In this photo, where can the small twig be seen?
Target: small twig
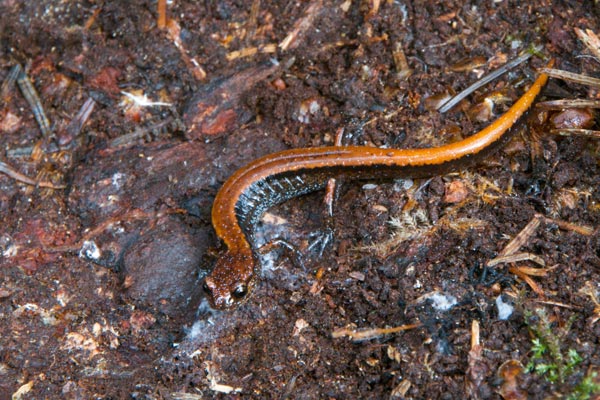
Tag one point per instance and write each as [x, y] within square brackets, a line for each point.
[571, 77]
[6, 169]
[90, 21]
[10, 80]
[475, 373]
[33, 99]
[77, 123]
[568, 103]
[475, 341]
[370, 333]
[302, 26]
[522, 237]
[568, 226]
[452, 39]
[174, 33]
[591, 41]
[139, 133]
[513, 246]
[485, 80]
[252, 23]
[509, 255]
[557, 304]
[576, 132]
[403, 71]
[527, 279]
[268, 48]
[214, 385]
[162, 14]
[516, 257]
[27, 151]
[532, 271]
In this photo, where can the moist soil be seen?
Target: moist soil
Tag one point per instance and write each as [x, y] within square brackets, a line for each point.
[101, 278]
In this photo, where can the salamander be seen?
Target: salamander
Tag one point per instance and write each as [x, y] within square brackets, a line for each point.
[278, 177]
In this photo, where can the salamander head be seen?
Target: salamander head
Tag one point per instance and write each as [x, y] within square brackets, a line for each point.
[231, 281]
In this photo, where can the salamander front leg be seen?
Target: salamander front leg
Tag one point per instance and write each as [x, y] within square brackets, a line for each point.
[290, 251]
[322, 238]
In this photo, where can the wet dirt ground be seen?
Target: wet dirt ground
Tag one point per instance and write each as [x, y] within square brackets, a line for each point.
[100, 278]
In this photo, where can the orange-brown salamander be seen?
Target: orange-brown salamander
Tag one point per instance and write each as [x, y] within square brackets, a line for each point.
[278, 177]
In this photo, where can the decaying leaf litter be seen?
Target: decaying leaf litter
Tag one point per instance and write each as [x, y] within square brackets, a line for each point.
[145, 124]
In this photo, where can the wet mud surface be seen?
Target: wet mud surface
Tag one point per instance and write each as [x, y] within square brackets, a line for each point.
[101, 280]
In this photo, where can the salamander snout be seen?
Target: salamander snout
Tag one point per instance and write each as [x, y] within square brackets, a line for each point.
[231, 281]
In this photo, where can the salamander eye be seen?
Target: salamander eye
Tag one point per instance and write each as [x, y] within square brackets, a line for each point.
[240, 291]
[206, 288]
